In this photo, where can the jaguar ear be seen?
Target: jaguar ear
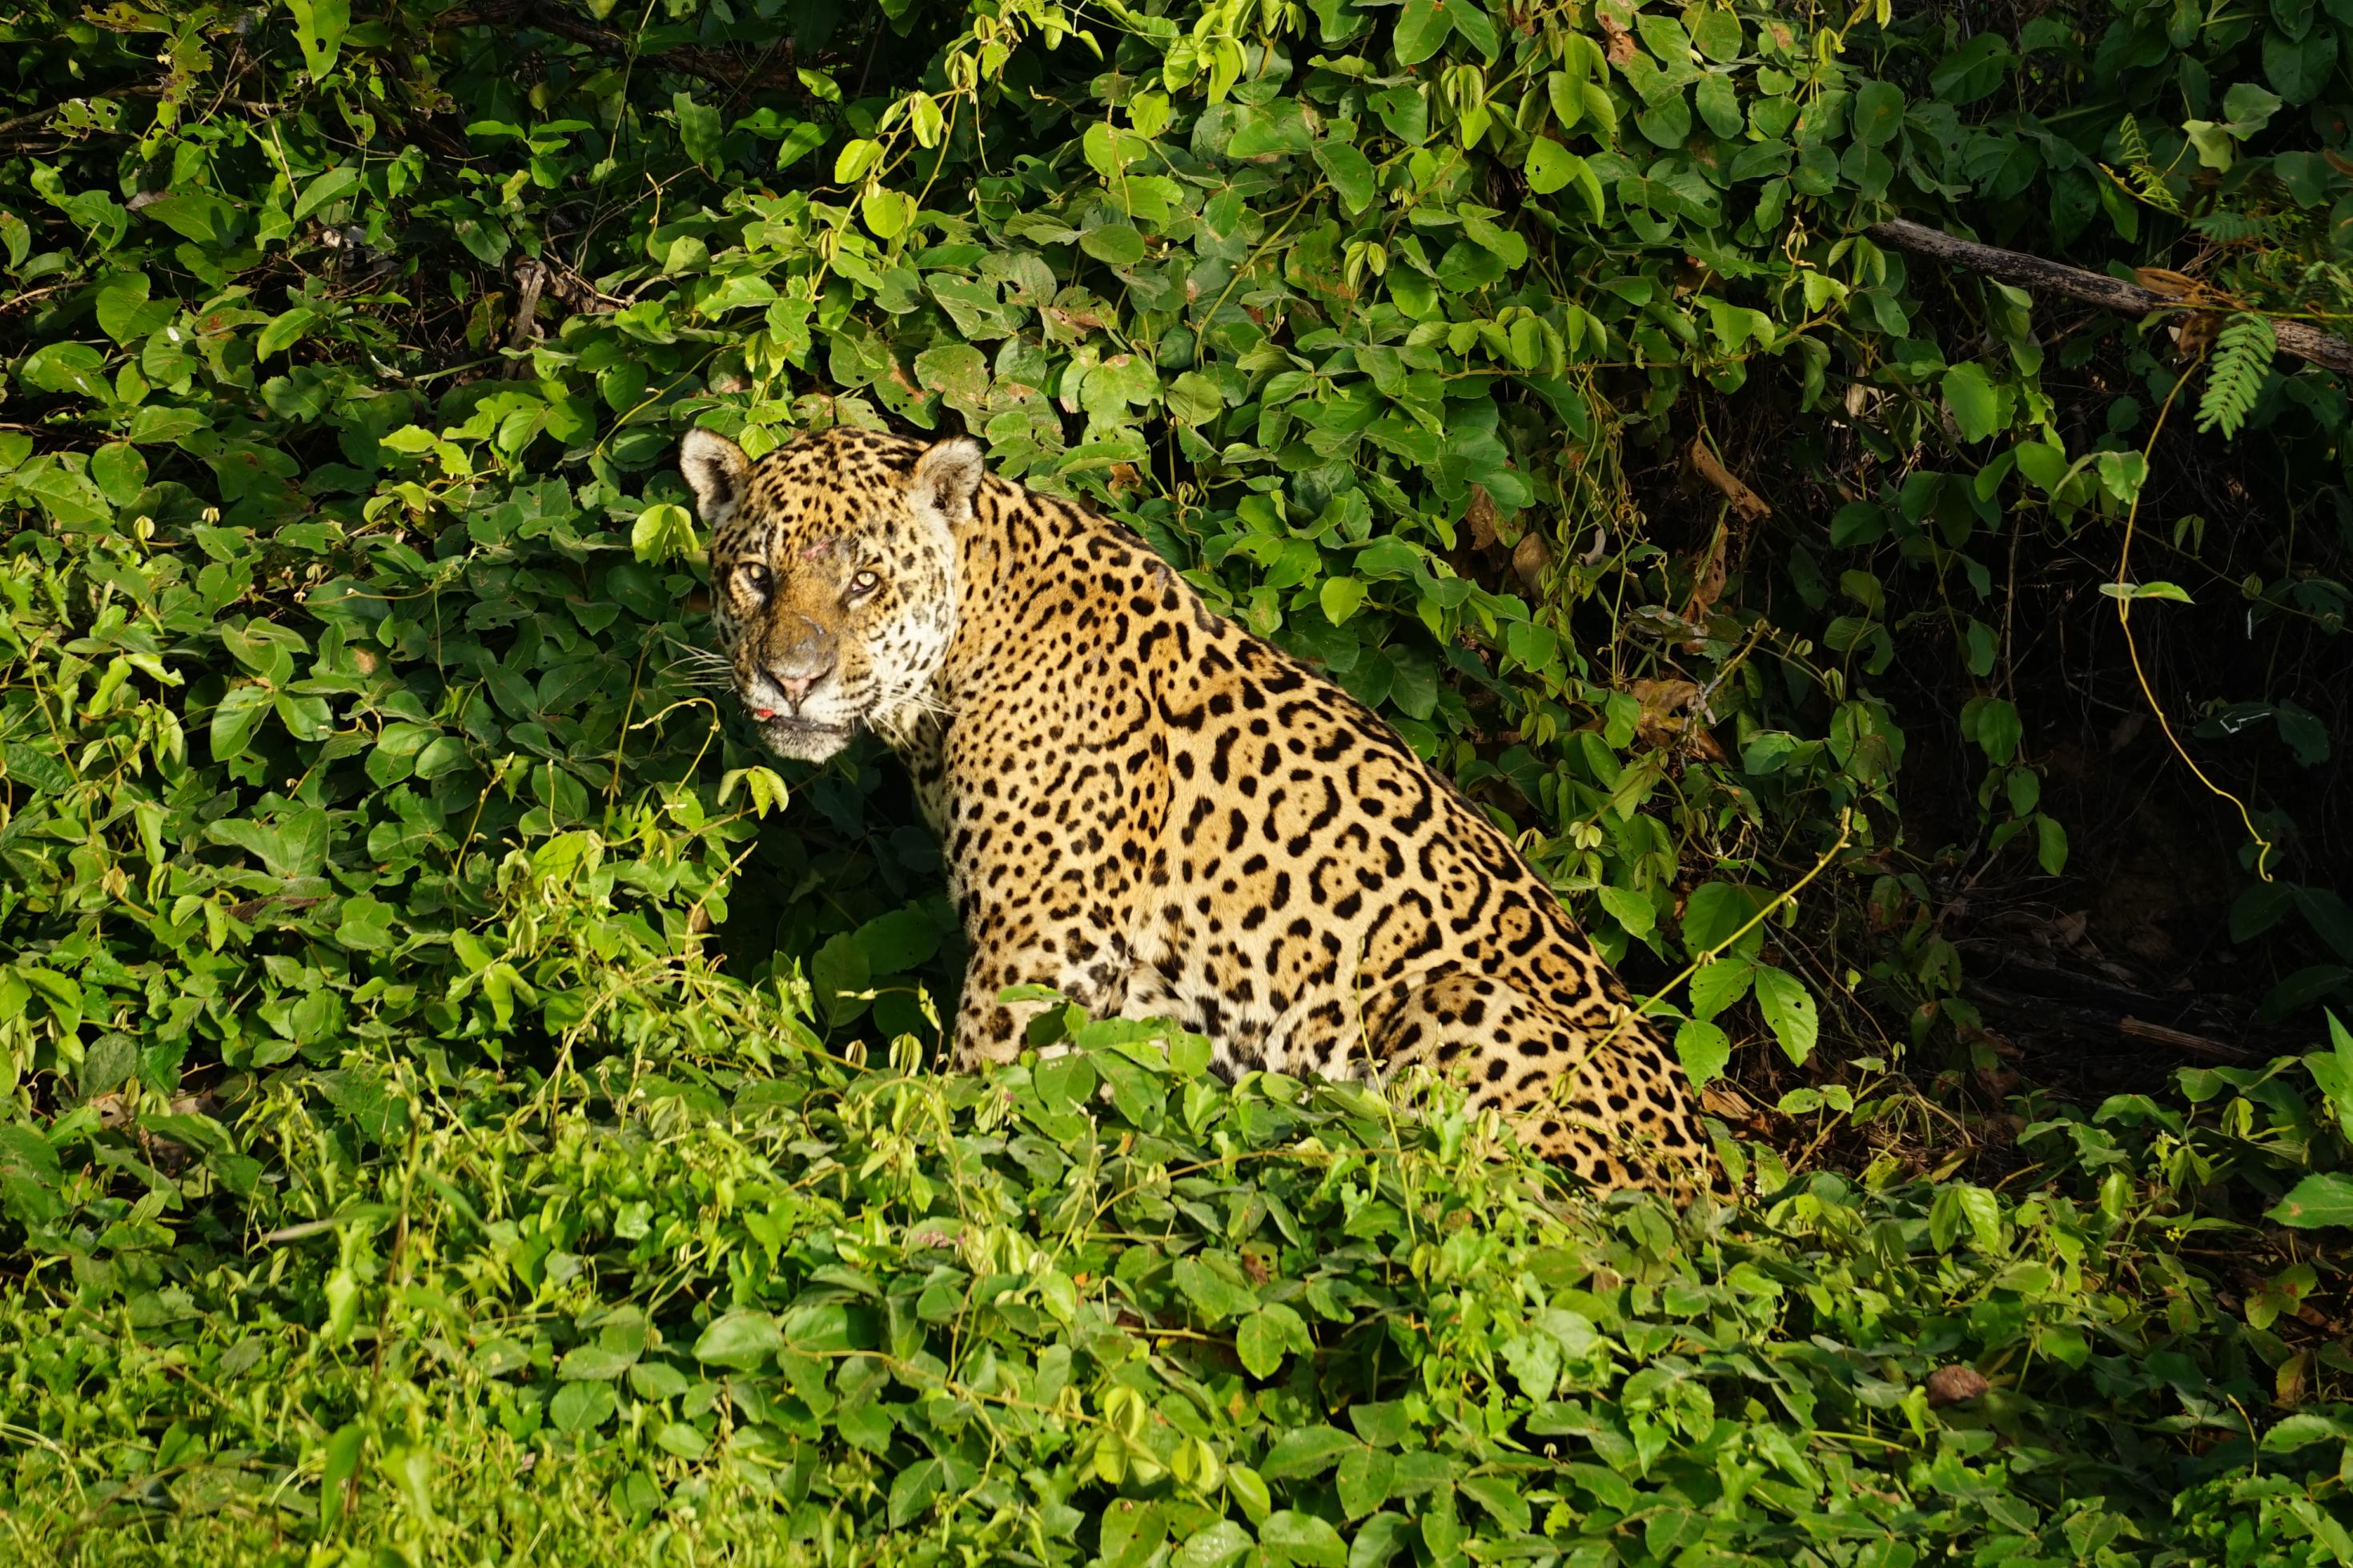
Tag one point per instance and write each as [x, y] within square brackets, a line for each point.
[718, 473]
[945, 479]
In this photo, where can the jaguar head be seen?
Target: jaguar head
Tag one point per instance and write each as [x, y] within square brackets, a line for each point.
[833, 577]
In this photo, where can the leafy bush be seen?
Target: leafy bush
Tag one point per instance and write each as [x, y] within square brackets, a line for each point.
[1097, 1305]
[437, 1111]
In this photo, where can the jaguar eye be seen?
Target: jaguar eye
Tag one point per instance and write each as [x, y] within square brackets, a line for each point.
[864, 584]
[755, 578]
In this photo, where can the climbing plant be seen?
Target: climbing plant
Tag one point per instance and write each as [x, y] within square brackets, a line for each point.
[1545, 372]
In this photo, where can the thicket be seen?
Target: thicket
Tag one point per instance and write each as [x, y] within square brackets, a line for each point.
[464, 1104]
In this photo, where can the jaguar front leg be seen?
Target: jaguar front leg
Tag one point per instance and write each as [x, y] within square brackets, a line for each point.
[1091, 973]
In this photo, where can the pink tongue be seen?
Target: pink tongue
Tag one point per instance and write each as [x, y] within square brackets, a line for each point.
[763, 713]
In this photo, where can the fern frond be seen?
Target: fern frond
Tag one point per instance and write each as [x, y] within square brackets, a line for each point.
[2234, 377]
[2235, 228]
[2129, 137]
[2147, 180]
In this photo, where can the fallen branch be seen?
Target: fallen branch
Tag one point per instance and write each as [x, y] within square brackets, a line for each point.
[2299, 338]
[2182, 1040]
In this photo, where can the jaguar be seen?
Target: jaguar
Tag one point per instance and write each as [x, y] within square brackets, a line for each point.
[1158, 813]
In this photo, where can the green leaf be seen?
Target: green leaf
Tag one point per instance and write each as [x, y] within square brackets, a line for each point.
[67, 367]
[2236, 373]
[1305, 1451]
[1065, 1084]
[839, 974]
[1291, 1537]
[1350, 172]
[193, 214]
[2050, 843]
[2044, 464]
[1788, 1009]
[2122, 474]
[857, 155]
[2302, 1430]
[319, 29]
[1501, 1500]
[664, 532]
[701, 131]
[803, 138]
[409, 438]
[70, 499]
[325, 188]
[583, 1406]
[1249, 1490]
[1340, 598]
[1995, 725]
[1422, 28]
[64, 999]
[1971, 396]
[1714, 32]
[124, 311]
[1877, 112]
[2129, 591]
[1506, 245]
[1365, 1479]
[1113, 243]
[739, 1339]
[1713, 912]
[155, 424]
[119, 472]
[888, 212]
[2249, 107]
[1718, 983]
[1275, 131]
[2322, 1198]
[2300, 68]
[681, 1439]
[922, 1483]
[1213, 1547]
[1266, 1335]
[1703, 1049]
[1216, 1297]
[1550, 165]
[1195, 399]
[1719, 105]
[239, 713]
[594, 1363]
[367, 924]
[284, 331]
[1628, 908]
[1973, 71]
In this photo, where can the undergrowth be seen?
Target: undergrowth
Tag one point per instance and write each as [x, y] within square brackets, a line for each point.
[1099, 1307]
[460, 1103]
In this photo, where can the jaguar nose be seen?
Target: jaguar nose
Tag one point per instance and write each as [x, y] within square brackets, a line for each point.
[794, 680]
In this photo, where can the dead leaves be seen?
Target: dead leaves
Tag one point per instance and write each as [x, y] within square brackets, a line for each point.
[2193, 332]
[1480, 516]
[1531, 559]
[1707, 579]
[1751, 506]
[2182, 287]
[1619, 45]
[1668, 721]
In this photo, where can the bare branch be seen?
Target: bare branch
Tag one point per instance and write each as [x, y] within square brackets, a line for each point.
[2299, 338]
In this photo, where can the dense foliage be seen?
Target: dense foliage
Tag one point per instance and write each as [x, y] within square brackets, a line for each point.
[437, 1105]
[1102, 1309]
